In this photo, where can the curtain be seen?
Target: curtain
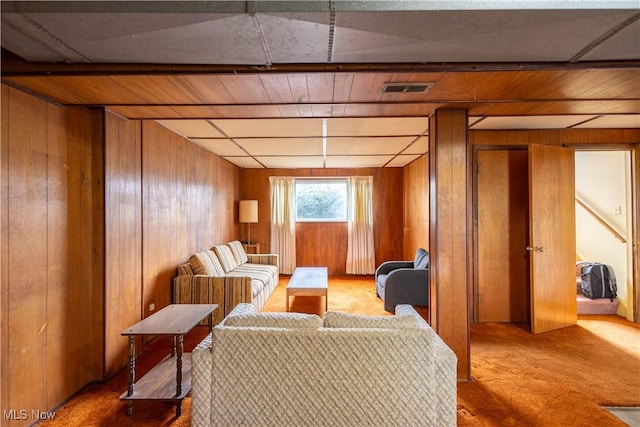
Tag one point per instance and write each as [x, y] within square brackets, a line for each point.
[283, 225]
[360, 250]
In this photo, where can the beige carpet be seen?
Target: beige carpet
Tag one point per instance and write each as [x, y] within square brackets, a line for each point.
[557, 379]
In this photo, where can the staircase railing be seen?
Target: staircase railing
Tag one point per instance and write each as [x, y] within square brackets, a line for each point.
[601, 220]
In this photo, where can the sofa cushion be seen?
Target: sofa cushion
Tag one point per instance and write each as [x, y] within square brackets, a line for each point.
[335, 319]
[238, 252]
[275, 320]
[226, 257]
[261, 272]
[206, 263]
[422, 259]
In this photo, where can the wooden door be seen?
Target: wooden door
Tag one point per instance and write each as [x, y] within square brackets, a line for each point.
[552, 238]
[502, 230]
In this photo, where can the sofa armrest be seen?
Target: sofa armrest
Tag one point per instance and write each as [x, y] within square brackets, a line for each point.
[227, 292]
[388, 266]
[406, 286]
[445, 370]
[270, 259]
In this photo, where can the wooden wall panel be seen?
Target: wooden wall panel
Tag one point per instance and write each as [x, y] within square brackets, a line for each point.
[189, 198]
[567, 137]
[27, 216]
[387, 207]
[416, 206]
[51, 341]
[84, 334]
[4, 247]
[322, 244]
[123, 231]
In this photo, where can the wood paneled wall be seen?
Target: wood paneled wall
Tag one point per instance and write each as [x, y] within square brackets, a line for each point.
[166, 198]
[188, 206]
[123, 237]
[52, 222]
[326, 243]
[416, 206]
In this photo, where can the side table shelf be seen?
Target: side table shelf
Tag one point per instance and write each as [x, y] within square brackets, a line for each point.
[160, 382]
[169, 380]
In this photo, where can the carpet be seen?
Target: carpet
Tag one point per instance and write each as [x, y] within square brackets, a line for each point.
[559, 378]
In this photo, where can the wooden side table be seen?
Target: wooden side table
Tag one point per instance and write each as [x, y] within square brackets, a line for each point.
[253, 248]
[170, 379]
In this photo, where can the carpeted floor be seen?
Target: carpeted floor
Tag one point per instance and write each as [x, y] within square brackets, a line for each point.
[560, 378]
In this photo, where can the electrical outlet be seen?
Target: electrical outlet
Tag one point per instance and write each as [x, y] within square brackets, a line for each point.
[152, 307]
[617, 209]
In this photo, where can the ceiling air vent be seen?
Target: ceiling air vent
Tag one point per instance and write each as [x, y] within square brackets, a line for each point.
[413, 87]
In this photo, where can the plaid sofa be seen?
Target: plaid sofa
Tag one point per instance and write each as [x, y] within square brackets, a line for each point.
[226, 275]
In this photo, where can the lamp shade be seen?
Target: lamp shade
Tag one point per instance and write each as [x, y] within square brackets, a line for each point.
[248, 211]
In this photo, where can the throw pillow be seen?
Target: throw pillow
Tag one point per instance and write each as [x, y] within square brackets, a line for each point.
[238, 252]
[335, 319]
[206, 263]
[422, 259]
[276, 320]
[226, 257]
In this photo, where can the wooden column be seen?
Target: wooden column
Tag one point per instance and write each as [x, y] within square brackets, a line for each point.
[449, 232]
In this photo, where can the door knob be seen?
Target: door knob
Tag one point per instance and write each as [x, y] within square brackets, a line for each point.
[535, 248]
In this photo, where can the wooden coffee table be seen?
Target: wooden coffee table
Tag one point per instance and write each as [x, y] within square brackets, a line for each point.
[309, 281]
[169, 380]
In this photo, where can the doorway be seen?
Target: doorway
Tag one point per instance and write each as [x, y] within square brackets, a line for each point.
[502, 291]
[524, 236]
[604, 217]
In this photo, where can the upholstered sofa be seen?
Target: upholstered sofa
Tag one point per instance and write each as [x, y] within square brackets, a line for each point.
[294, 369]
[226, 275]
[404, 282]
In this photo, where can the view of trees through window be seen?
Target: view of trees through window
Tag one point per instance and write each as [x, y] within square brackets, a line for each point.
[321, 200]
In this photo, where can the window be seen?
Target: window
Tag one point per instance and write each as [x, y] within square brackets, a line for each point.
[321, 200]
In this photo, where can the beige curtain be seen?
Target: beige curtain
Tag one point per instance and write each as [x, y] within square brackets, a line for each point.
[360, 250]
[283, 225]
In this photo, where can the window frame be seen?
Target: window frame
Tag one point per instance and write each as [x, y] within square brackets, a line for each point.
[332, 179]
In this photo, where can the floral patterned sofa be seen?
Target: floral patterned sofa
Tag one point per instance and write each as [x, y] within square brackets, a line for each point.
[226, 275]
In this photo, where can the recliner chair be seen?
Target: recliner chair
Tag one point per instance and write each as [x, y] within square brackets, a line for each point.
[404, 282]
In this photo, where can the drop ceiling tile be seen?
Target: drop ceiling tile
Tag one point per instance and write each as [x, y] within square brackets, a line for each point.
[270, 127]
[613, 121]
[281, 146]
[402, 160]
[386, 145]
[291, 162]
[530, 122]
[421, 146]
[191, 128]
[296, 37]
[378, 126]
[221, 147]
[244, 162]
[356, 161]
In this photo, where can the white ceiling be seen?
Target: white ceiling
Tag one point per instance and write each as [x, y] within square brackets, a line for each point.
[350, 142]
[264, 34]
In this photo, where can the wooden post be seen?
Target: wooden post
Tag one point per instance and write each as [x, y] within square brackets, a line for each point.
[449, 232]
